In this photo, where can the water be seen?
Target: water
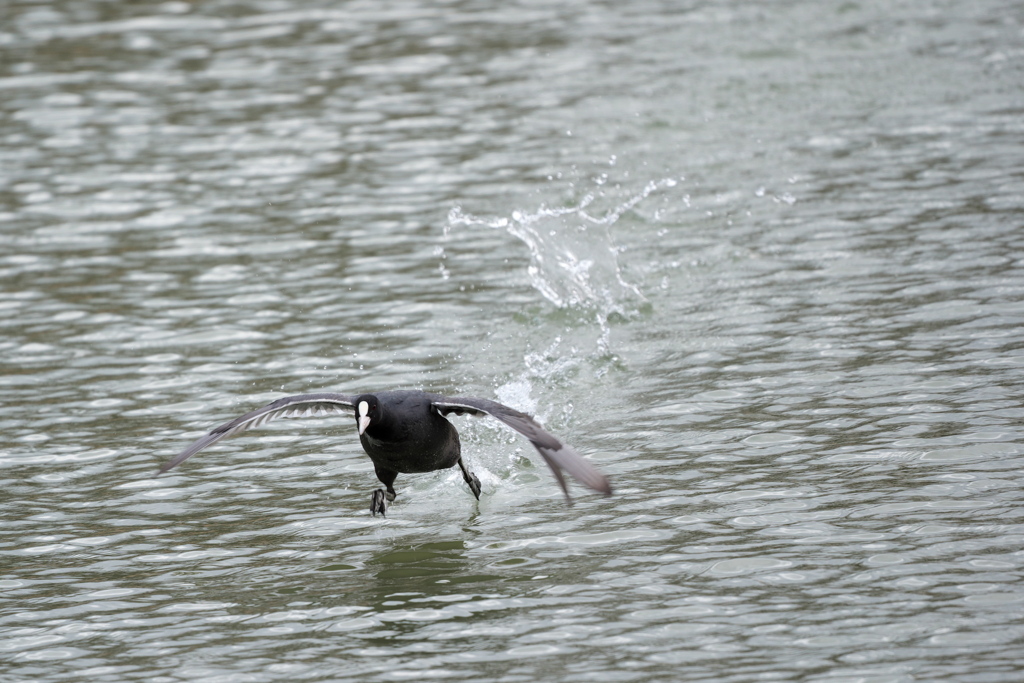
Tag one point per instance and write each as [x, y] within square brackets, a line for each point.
[760, 262]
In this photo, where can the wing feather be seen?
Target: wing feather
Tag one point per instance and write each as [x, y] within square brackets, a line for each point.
[304, 405]
[557, 455]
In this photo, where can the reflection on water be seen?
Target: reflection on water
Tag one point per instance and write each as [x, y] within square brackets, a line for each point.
[761, 266]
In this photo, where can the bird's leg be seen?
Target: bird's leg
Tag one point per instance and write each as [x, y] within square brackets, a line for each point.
[380, 497]
[474, 483]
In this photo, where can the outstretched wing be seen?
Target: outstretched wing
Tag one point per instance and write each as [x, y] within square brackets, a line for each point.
[305, 405]
[557, 455]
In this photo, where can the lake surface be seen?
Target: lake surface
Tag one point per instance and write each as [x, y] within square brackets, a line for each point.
[762, 263]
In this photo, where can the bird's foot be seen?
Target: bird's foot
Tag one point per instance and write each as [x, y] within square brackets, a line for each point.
[377, 503]
[470, 478]
[474, 485]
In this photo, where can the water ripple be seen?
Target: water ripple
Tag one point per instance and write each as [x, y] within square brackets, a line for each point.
[759, 267]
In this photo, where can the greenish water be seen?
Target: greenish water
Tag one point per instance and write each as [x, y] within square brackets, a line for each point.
[762, 264]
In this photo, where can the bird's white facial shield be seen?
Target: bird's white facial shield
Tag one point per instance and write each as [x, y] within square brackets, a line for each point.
[364, 417]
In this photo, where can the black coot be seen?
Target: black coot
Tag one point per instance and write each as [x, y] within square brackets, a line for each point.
[406, 431]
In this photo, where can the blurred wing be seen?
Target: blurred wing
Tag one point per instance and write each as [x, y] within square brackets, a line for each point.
[306, 405]
[556, 454]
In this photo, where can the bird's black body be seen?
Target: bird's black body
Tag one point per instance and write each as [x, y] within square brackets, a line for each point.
[409, 436]
[405, 432]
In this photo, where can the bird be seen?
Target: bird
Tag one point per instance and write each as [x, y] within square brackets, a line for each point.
[407, 432]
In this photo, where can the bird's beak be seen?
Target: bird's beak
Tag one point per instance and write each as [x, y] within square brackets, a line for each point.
[364, 422]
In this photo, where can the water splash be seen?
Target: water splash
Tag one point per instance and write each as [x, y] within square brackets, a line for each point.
[575, 262]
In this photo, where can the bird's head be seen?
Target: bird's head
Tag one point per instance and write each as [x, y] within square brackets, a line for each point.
[367, 411]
